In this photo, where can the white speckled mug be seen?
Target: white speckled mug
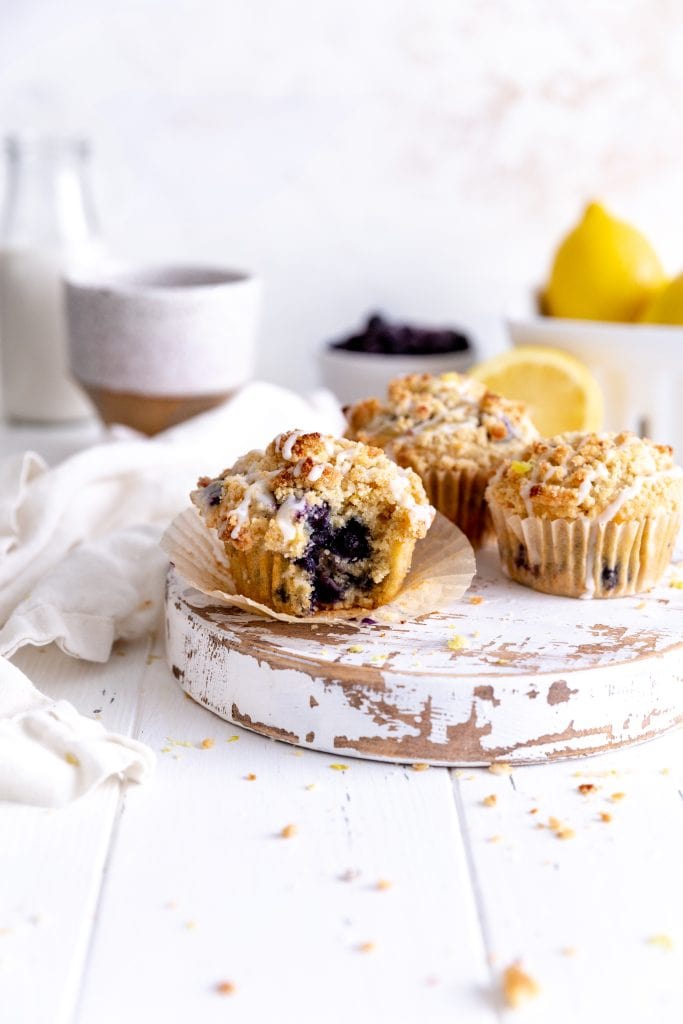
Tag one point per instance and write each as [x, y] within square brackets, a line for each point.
[155, 345]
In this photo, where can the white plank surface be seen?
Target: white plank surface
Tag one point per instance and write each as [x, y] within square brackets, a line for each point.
[582, 912]
[204, 888]
[51, 862]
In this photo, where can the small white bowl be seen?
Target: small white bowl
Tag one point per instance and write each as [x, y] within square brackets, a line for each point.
[355, 375]
[638, 366]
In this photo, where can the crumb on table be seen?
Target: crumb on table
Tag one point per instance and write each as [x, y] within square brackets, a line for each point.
[490, 800]
[518, 986]
[561, 830]
[288, 831]
[458, 642]
[225, 988]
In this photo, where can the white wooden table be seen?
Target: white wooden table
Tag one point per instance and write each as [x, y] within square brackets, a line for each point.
[136, 905]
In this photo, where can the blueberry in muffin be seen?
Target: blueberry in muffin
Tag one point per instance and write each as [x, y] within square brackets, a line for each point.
[316, 523]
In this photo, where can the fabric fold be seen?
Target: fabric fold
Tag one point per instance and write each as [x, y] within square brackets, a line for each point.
[80, 566]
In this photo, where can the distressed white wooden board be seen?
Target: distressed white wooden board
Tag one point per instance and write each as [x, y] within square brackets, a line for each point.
[605, 892]
[542, 677]
[200, 845]
[51, 861]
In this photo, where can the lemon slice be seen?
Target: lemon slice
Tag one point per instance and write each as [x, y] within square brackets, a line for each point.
[560, 392]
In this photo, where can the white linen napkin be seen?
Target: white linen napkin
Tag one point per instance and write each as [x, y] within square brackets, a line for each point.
[80, 565]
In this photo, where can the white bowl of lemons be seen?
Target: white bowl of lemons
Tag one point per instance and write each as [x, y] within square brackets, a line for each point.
[602, 344]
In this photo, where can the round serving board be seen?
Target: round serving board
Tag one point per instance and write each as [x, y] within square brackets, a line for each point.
[536, 677]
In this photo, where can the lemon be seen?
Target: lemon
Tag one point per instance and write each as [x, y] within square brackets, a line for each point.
[603, 270]
[559, 391]
[666, 307]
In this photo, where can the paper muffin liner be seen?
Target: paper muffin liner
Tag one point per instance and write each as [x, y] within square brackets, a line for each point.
[442, 569]
[259, 574]
[459, 495]
[584, 558]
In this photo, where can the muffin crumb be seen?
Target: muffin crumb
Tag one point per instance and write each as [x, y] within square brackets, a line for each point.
[518, 986]
[225, 988]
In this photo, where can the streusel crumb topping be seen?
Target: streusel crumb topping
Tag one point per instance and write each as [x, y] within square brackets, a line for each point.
[267, 497]
[606, 477]
[442, 422]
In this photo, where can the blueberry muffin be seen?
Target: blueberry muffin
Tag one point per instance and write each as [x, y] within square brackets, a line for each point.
[588, 515]
[316, 523]
[453, 433]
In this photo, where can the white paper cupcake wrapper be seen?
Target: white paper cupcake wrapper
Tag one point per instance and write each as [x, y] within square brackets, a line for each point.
[442, 570]
[576, 558]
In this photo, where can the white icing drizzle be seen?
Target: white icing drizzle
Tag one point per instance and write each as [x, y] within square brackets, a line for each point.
[287, 515]
[258, 493]
[344, 460]
[288, 446]
[400, 490]
[525, 492]
[585, 486]
[315, 473]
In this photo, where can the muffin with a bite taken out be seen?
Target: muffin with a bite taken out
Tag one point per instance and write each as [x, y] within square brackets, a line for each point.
[316, 523]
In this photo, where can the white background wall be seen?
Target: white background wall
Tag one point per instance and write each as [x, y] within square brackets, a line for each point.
[418, 156]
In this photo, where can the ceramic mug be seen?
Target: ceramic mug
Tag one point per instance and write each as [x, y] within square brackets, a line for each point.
[155, 345]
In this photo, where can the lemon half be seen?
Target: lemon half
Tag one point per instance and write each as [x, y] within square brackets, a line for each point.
[560, 392]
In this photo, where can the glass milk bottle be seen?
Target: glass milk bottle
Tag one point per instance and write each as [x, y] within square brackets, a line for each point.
[47, 227]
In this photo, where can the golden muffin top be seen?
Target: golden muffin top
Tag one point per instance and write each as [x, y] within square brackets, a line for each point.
[442, 422]
[268, 497]
[605, 477]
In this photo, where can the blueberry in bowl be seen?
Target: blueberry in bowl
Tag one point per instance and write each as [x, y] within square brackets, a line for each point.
[364, 361]
[382, 337]
[316, 523]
